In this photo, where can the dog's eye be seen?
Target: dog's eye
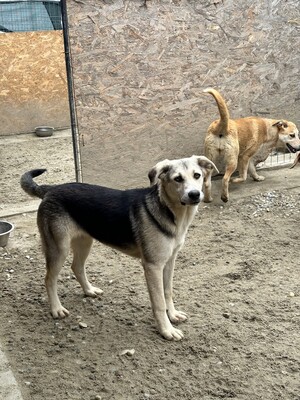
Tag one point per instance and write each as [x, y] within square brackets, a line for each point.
[178, 178]
[196, 175]
[292, 135]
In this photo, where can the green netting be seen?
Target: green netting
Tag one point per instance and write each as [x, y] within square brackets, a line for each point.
[23, 16]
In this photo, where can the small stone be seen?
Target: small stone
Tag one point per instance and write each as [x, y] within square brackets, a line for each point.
[226, 315]
[74, 328]
[129, 352]
[292, 294]
[82, 325]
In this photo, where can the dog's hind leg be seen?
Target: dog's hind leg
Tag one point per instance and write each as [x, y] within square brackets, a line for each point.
[207, 187]
[230, 168]
[81, 246]
[55, 258]
[56, 245]
[174, 315]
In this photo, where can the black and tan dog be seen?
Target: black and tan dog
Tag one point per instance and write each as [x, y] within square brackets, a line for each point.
[243, 143]
[148, 223]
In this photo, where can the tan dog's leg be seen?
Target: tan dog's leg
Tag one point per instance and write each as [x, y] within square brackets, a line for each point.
[253, 173]
[243, 165]
[207, 187]
[154, 279]
[81, 247]
[230, 168]
[174, 315]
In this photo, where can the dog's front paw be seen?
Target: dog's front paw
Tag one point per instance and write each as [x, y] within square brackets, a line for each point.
[224, 198]
[172, 334]
[207, 199]
[166, 329]
[237, 180]
[59, 312]
[177, 316]
[93, 291]
[259, 178]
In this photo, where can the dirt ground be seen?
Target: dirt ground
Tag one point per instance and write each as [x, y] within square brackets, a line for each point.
[237, 277]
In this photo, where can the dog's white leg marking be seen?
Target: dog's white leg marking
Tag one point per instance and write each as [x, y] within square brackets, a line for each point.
[254, 174]
[81, 247]
[175, 316]
[54, 262]
[154, 279]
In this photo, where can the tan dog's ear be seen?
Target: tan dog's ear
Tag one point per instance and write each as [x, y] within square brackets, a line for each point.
[280, 124]
[205, 163]
[156, 172]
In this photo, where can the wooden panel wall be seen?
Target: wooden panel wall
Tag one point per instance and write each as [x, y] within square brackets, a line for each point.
[33, 88]
[140, 68]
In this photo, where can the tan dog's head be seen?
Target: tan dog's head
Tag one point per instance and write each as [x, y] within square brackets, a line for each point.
[288, 134]
[181, 180]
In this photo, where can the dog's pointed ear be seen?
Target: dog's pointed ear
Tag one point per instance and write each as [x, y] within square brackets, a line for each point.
[205, 163]
[280, 124]
[158, 170]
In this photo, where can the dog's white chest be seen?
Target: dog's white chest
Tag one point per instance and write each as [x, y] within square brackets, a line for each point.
[184, 223]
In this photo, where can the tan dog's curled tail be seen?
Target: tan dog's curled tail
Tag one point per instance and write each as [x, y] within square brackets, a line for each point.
[223, 110]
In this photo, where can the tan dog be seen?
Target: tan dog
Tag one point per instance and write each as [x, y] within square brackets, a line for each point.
[243, 143]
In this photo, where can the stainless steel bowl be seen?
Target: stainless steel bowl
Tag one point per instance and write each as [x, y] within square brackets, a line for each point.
[44, 131]
[5, 229]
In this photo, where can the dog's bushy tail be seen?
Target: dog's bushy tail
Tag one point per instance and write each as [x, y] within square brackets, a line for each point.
[30, 187]
[223, 110]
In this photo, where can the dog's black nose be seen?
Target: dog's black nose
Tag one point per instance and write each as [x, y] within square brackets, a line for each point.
[194, 195]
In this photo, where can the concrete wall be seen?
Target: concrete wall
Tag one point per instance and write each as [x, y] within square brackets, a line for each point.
[33, 86]
[140, 68]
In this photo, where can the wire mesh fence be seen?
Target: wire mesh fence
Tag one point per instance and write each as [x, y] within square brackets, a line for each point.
[34, 15]
[278, 157]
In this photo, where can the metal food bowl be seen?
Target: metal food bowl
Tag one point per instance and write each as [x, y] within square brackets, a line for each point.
[44, 131]
[5, 229]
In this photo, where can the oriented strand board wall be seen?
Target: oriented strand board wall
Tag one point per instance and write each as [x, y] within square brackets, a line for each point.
[140, 68]
[33, 87]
